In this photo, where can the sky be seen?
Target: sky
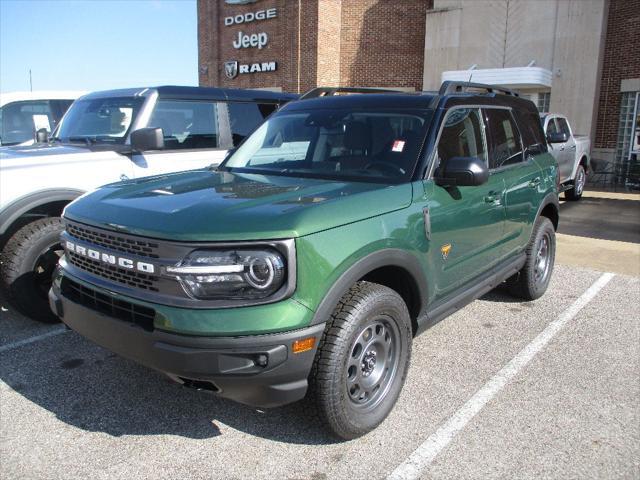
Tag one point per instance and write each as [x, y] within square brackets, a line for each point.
[97, 44]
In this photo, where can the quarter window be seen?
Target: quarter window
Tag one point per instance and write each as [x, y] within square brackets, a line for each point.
[506, 147]
[186, 124]
[462, 135]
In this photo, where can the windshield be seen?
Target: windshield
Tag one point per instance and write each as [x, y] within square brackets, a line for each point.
[370, 146]
[99, 120]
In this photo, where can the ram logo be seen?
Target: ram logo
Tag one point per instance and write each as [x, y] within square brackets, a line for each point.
[109, 258]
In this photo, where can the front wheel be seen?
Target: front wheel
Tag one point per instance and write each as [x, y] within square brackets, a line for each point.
[578, 185]
[533, 279]
[362, 360]
[28, 261]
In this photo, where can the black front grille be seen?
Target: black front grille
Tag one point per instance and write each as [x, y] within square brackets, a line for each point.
[129, 312]
[113, 241]
[113, 273]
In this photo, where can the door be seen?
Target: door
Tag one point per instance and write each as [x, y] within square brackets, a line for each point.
[466, 223]
[558, 150]
[192, 140]
[568, 154]
[521, 175]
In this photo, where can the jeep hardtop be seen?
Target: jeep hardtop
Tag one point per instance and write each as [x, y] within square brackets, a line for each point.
[349, 222]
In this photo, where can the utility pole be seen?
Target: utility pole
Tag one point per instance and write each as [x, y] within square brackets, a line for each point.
[30, 82]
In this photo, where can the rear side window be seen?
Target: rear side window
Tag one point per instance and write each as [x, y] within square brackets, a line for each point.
[244, 118]
[462, 135]
[186, 125]
[505, 147]
[531, 129]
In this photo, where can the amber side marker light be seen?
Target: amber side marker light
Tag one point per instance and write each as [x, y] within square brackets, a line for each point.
[303, 345]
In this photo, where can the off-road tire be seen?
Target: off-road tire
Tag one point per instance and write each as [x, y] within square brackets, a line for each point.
[23, 253]
[366, 306]
[574, 194]
[529, 283]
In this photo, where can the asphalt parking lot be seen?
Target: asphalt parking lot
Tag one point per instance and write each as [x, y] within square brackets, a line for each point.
[501, 389]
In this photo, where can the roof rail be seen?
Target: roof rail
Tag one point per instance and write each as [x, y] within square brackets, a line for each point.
[329, 91]
[451, 86]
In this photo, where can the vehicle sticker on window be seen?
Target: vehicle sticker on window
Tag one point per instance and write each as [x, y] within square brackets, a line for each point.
[398, 146]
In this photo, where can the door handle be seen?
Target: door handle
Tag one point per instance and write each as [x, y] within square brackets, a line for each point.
[573, 147]
[534, 183]
[492, 197]
[123, 177]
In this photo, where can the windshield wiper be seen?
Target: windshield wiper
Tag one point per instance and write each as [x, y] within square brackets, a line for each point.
[86, 140]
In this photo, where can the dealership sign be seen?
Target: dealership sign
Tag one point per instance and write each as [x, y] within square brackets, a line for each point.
[250, 17]
[233, 68]
[258, 40]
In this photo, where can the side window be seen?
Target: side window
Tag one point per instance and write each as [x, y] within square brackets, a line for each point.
[563, 126]
[20, 120]
[186, 124]
[505, 147]
[551, 126]
[531, 129]
[462, 135]
[244, 118]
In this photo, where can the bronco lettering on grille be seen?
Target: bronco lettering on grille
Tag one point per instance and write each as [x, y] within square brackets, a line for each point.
[110, 259]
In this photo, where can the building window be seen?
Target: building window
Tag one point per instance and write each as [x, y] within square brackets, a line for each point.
[543, 101]
[627, 167]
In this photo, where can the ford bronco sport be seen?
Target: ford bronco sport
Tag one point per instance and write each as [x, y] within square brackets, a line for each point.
[305, 264]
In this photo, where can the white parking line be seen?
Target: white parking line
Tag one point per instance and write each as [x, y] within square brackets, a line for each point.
[56, 331]
[422, 457]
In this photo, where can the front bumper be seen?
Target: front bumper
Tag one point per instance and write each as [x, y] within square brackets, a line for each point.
[257, 370]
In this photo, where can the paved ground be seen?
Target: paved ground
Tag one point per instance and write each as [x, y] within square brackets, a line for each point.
[471, 407]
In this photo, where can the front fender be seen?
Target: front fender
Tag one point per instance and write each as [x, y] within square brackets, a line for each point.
[14, 210]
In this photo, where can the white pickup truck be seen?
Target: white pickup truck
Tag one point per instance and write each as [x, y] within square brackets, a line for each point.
[103, 138]
[572, 152]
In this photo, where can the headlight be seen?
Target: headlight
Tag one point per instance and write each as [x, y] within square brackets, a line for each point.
[231, 274]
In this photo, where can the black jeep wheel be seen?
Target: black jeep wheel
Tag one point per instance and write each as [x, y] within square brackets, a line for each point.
[533, 279]
[28, 261]
[575, 193]
[362, 360]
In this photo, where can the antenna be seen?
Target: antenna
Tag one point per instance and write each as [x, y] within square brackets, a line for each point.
[30, 82]
[469, 81]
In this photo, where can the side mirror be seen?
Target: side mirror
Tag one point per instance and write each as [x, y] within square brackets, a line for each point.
[557, 137]
[145, 139]
[42, 135]
[462, 172]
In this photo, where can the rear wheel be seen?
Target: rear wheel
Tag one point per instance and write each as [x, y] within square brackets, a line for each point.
[28, 261]
[362, 360]
[533, 279]
[578, 185]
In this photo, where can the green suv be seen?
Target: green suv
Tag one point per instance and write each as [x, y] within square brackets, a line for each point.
[304, 265]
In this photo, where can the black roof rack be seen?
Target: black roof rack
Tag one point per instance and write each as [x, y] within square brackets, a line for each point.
[329, 91]
[451, 86]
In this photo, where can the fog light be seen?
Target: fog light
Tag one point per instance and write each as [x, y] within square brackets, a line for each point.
[303, 345]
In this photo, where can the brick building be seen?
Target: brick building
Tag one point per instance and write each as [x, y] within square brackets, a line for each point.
[314, 42]
[577, 57]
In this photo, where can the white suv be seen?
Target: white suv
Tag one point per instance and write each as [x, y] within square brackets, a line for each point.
[103, 138]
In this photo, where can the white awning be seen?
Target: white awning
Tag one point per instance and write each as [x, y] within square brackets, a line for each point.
[515, 77]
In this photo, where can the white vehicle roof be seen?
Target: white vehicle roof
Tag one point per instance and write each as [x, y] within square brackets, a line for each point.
[10, 97]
